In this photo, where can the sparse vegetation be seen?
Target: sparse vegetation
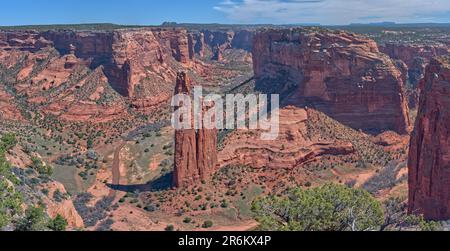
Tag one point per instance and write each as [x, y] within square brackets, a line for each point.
[41, 167]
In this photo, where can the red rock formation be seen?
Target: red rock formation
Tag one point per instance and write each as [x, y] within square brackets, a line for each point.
[147, 51]
[243, 39]
[429, 156]
[195, 151]
[22, 40]
[140, 64]
[220, 38]
[8, 111]
[291, 149]
[217, 54]
[415, 56]
[71, 59]
[213, 40]
[409, 52]
[206, 150]
[199, 44]
[95, 45]
[178, 42]
[341, 74]
[151, 54]
[226, 39]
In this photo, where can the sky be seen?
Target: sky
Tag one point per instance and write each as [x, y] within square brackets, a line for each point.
[153, 12]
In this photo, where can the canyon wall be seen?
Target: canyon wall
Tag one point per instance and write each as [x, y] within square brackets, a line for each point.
[94, 75]
[143, 63]
[22, 40]
[95, 45]
[217, 41]
[131, 58]
[415, 56]
[195, 150]
[292, 148]
[341, 74]
[429, 156]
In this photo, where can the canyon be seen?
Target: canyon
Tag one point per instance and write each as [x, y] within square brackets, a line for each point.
[341, 74]
[88, 101]
[76, 75]
[429, 155]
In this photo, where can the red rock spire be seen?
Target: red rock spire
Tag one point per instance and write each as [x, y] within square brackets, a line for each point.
[429, 154]
[195, 150]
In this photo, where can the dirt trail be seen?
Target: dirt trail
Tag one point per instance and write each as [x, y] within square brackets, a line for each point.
[116, 168]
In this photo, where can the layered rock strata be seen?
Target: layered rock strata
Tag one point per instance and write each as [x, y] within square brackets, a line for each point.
[195, 150]
[341, 74]
[429, 155]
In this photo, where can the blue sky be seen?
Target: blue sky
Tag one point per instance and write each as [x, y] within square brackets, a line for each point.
[223, 11]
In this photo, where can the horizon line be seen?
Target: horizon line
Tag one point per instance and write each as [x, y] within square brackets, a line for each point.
[169, 23]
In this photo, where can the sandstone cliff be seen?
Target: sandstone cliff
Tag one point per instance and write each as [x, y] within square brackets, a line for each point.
[415, 56]
[70, 73]
[22, 40]
[217, 41]
[195, 150]
[292, 149]
[429, 156]
[341, 74]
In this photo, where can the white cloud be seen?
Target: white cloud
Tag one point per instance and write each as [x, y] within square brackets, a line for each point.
[334, 11]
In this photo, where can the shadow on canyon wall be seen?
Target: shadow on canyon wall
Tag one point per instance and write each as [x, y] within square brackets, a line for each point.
[160, 184]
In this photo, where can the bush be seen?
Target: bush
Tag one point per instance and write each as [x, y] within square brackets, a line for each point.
[207, 224]
[40, 167]
[150, 208]
[170, 228]
[59, 223]
[187, 220]
[35, 220]
[10, 199]
[327, 208]
[224, 204]
[7, 142]
[10, 203]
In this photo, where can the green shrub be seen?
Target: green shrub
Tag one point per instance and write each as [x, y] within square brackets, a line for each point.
[41, 167]
[59, 223]
[170, 228]
[207, 224]
[34, 220]
[327, 208]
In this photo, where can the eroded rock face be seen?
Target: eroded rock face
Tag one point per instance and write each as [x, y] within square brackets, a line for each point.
[195, 150]
[143, 63]
[131, 57]
[429, 156]
[243, 39]
[292, 148]
[89, 45]
[22, 40]
[217, 41]
[139, 64]
[340, 74]
[217, 54]
[415, 56]
[199, 43]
